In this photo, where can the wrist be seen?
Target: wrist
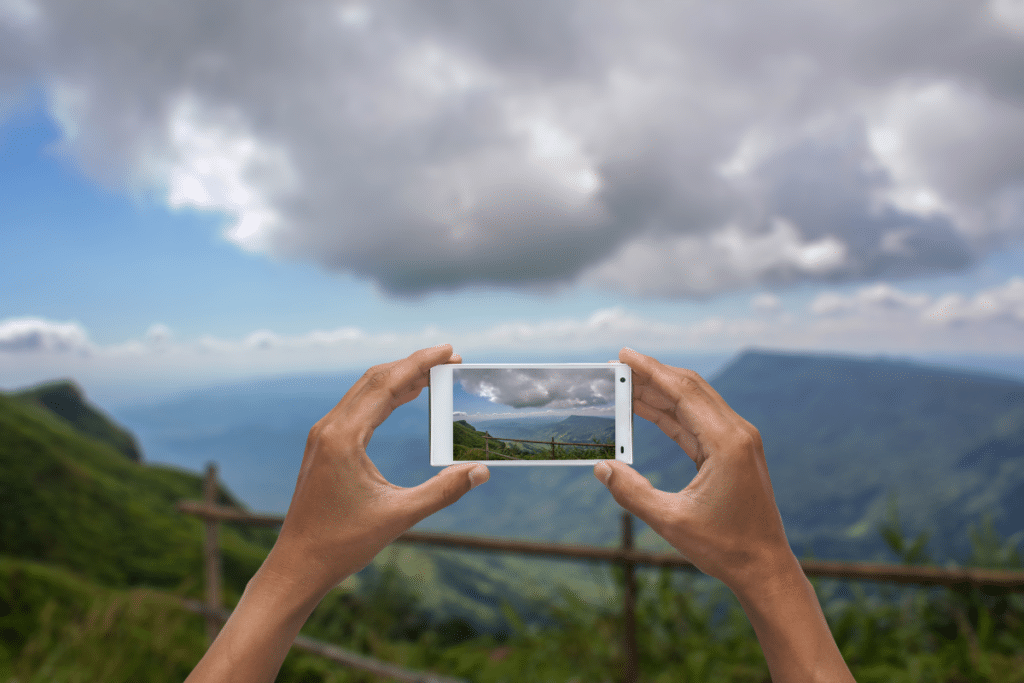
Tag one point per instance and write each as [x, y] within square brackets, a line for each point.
[292, 576]
[293, 597]
[773, 574]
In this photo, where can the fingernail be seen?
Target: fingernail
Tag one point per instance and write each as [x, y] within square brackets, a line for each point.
[478, 474]
[603, 471]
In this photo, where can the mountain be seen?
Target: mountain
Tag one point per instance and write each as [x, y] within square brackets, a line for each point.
[74, 500]
[468, 443]
[65, 400]
[843, 436]
[572, 429]
[580, 429]
[73, 503]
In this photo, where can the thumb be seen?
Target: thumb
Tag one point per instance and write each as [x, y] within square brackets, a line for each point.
[629, 488]
[446, 487]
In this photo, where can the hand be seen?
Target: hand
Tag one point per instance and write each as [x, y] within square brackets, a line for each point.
[344, 511]
[725, 521]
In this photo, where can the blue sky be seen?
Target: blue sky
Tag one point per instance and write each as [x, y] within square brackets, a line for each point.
[187, 197]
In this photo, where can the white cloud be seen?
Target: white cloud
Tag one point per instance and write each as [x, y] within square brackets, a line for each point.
[875, 318]
[215, 163]
[1004, 304]
[725, 259]
[1009, 14]
[34, 336]
[539, 387]
[766, 303]
[946, 147]
[427, 148]
[879, 297]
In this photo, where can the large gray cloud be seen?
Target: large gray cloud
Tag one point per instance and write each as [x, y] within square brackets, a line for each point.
[538, 387]
[667, 148]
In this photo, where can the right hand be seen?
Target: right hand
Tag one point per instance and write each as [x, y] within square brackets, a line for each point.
[725, 521]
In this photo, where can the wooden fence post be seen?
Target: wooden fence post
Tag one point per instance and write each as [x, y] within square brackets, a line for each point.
[629, 646]
[211, 555]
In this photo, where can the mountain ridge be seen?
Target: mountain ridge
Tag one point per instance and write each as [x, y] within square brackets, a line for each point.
[66, 400]
[843, 436]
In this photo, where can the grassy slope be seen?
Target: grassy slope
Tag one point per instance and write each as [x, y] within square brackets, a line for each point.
[65, 400]
[468, 442]
[75, 501]
[89, 543]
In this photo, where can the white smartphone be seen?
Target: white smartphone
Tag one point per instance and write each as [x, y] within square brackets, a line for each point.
[543, 414]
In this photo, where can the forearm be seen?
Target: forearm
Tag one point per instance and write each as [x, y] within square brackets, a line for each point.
[256, 638]
[791, 628]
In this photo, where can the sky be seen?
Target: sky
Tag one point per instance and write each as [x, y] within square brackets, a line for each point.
[192, 192]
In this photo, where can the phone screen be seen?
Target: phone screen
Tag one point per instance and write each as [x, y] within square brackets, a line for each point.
[554, 414]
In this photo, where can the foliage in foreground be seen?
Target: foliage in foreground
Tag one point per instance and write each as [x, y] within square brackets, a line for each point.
[689, 628]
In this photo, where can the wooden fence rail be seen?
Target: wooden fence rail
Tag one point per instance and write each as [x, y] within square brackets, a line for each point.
[991, 580]
[488, 438]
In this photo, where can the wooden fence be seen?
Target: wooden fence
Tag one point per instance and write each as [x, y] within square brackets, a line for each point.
[625, 555]
[488, 438]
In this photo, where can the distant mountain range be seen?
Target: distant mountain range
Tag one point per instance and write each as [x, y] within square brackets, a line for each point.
[843, 436]
[575, 428]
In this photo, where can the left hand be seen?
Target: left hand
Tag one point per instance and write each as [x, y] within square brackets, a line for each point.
[344, 511]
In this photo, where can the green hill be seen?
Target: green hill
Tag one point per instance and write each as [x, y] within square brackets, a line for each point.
[65, 400]
[88, 536]
[843, 435]
[77, 513]
[468, 443]
[72, 499]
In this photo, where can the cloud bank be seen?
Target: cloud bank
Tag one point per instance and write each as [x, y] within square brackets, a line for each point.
[876, 318]
[669, 149]
[539, 387]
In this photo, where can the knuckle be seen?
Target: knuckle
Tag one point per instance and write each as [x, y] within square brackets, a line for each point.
[376, 376]
[746, 438]
[753, 436]
[688, 382]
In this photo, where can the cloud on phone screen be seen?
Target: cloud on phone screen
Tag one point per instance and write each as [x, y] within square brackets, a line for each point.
[539, 388]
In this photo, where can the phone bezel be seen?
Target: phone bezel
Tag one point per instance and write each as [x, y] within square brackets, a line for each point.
[441, 413]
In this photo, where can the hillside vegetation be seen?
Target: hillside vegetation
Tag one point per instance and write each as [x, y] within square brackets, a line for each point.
[468, 441]
[90, 545]
[844, 435]
[65, 400]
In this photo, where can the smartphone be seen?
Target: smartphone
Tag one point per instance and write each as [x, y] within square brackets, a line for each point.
[520, 414]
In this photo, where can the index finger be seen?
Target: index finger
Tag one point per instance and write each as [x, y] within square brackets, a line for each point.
[383, 387]
[695, 403]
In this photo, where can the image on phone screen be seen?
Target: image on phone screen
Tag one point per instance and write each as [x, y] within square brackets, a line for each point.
[533, 414]
[541, 414]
